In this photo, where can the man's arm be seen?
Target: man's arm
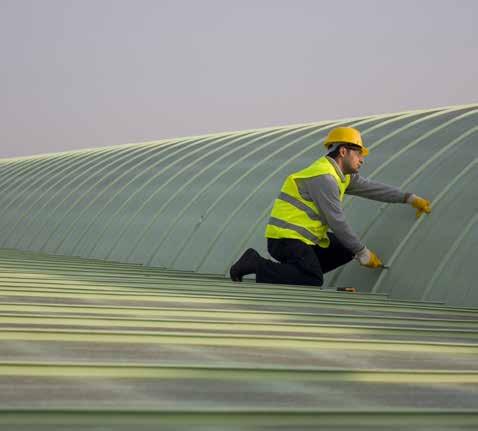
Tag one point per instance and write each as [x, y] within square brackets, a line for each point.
[324, 192]
[365, 188]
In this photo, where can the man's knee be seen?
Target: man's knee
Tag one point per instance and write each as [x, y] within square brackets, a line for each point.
[349, 255]
[340, 249]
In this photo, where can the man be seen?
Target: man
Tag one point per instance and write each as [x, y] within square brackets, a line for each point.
[309, 204]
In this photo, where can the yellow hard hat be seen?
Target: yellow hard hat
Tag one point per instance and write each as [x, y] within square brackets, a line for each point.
[345, 135]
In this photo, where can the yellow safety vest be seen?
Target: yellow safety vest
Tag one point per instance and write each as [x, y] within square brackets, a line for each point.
[293, 216]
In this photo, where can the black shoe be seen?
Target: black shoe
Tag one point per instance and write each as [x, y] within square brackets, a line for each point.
[247, 264]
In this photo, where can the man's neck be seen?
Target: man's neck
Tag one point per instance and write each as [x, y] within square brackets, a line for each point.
[337, 166]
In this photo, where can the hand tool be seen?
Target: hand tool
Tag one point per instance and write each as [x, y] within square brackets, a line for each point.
[347, 289]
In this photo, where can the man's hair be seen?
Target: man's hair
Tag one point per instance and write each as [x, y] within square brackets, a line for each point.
[336, 151]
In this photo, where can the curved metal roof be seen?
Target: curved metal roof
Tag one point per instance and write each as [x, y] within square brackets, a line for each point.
[88, 343]
[196, 203]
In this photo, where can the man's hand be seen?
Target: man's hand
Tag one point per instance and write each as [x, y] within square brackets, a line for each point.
[422, 205]
[368, 258]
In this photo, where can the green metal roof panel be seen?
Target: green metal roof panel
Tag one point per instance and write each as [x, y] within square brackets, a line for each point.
[196, 203]
[87, 343]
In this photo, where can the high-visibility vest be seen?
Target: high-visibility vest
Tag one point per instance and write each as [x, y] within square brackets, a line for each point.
[293, 216]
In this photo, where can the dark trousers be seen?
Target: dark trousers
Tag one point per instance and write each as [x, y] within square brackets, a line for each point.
[300, 263]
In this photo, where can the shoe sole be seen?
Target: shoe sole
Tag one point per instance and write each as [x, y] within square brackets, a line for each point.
[233, 274]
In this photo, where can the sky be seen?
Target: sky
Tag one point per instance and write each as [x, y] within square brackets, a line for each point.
[92, 73]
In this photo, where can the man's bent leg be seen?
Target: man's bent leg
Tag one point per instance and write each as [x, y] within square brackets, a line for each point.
[333, 256]
[298, 264]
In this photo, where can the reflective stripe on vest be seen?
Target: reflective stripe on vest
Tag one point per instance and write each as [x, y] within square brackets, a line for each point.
[298, 204]
[299, 229]
[293, 216]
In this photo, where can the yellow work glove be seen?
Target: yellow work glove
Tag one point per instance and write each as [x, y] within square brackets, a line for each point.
[368, 258]
[422, 205]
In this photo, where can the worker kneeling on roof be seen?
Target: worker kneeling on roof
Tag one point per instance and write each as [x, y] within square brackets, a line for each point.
[308, 205]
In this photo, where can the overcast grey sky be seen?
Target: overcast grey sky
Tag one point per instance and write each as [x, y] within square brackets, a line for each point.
[91, 73]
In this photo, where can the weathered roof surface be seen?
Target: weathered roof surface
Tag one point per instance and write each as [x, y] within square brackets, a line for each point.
[196, 203]
[88, 344]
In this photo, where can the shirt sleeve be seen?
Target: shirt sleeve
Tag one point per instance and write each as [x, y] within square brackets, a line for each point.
[365, 188]
[324, 192]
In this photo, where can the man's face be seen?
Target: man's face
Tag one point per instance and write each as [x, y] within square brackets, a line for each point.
[352, 161]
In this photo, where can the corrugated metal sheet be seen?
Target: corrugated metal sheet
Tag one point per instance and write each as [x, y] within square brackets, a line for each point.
[196, 203]
[95, 345]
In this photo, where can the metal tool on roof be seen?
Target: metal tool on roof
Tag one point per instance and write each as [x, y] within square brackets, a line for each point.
[347, 289]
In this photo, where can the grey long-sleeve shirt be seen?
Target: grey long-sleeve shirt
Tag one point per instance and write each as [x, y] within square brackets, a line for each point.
[324, 192]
